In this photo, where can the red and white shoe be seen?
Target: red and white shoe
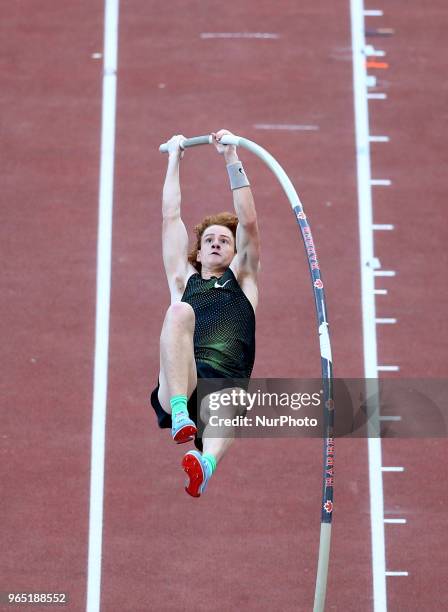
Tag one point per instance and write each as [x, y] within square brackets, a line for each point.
[198, 472]
[183, 428]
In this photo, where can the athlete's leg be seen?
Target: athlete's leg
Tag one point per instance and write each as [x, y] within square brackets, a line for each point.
[217, 447]
[199, 468]
[177, 364]
[217, 440]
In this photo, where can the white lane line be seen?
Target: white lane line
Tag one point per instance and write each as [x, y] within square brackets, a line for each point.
[379, 138]
[381, 182]
[360, 84]
[286, 126]
[373, 13]
[385, 273]
[397, 573]
[390, 418]
[377, 96]
[392, 469]
[395, 521]
[104, 251]
[239, 35]
[386, 321]
[380, 291]
[388, 368]
[385, 226]
[371, 81]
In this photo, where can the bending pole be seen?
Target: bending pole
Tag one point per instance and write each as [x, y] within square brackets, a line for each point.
[325, 350]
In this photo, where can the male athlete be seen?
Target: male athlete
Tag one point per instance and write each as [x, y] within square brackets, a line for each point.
[209, 328]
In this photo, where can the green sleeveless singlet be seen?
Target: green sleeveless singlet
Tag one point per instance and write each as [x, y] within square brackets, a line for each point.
[224, 336]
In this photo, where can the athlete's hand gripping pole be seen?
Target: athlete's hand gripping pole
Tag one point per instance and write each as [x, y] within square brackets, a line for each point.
[270, 161]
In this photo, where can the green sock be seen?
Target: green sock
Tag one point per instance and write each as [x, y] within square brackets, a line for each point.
[210, 460]
[178, 404]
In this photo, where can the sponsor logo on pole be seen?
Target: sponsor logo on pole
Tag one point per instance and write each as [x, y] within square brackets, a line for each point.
[318, 283]
[310, 248]
[328, 506]
[329, 404]
[329, 467]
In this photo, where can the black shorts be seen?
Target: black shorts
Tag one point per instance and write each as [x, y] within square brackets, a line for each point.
[164, 419]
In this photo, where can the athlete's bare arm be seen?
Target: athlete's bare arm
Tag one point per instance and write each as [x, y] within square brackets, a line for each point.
[174, 233]
[246, 263]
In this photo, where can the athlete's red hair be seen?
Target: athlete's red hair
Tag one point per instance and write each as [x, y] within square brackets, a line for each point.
[224, 218]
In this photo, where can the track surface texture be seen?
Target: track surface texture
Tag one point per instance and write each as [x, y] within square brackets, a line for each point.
[250, 543]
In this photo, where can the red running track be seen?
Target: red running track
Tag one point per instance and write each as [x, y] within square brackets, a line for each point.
[251, 542]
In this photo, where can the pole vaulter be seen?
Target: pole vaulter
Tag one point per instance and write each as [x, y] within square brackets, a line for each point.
[325, 349]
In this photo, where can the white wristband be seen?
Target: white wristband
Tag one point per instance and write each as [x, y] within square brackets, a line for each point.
[237, 176]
